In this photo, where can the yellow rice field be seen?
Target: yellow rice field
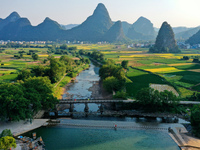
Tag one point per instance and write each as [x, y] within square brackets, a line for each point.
[164, 70]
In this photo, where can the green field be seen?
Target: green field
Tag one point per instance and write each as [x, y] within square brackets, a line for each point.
[163, 68]
[140, 79]
[168, 69]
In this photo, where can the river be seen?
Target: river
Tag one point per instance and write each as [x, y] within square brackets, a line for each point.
[62, 137]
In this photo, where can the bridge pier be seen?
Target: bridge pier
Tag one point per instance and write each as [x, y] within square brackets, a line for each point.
[101, 109]
[56, 114]
[115, 106]
[71, 108]
[86, 108]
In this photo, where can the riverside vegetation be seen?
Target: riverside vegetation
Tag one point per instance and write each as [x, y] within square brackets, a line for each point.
[130, 70]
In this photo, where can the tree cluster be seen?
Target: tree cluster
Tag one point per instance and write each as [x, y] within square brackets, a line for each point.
[153, 100]
[113, 76]
[21, 100]
[6, 140]
[97, 55]
[195, 120]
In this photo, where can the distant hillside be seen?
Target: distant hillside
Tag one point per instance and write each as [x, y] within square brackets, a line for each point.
[115, 33]
[16, 30]
[69, 26]
[94, 27]
[11, 18]
[125, 26]
[187, 34]
[142, 29]
[165, 42]
[195, 39]
[180, 29]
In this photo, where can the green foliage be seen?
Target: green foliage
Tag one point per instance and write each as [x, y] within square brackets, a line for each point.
[57, 70]
[35, 56]
[97, 55]
[6, 132]
[154, 100]
[7, 142]
[120, 94]
[111, 84]
[40, 70]
[124, 64]
[64, 46]
[72, 74]
[20, 100]
[195, 120]
[13, 104]
[39, 91]
[24, 74]
[186, 57]
[112, 70]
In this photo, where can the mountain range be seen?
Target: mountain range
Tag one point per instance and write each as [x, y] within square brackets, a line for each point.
[97, 27]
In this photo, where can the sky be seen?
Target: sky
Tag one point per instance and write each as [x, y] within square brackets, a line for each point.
[175, 12]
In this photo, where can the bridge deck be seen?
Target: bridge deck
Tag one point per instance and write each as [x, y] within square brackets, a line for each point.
[114, 101]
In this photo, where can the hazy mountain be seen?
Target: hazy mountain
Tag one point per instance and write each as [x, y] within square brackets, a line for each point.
[16, 30]
[94, 27]
[142, 29]
[69, 26]
[115, 33]
[165, 41]
[125, 26]
[47, 30]
[195, 39]
[180, 29]
[187, 34]
[14, 16]
[156, 29]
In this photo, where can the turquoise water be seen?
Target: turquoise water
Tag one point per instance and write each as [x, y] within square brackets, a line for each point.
[62, 138]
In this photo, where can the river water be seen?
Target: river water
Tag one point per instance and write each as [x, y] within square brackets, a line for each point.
[64, 137]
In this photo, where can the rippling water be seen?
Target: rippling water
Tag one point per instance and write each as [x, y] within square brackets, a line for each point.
[61, 138]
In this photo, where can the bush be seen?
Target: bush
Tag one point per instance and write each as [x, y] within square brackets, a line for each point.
[72, 74]
[120, 94]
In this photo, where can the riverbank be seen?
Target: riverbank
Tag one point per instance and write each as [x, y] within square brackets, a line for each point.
[18, 128]
[60, 88]
[98, 91]
[184, 140]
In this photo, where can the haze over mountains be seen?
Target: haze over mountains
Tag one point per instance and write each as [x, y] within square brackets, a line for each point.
[97, 27]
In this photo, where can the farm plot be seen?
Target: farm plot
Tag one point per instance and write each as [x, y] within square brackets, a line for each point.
[140, 79]
[162, 88]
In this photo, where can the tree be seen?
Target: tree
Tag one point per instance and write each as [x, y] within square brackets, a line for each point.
[24, 74]
[5, 132]
[124, 64]
[35, 56]
[57, 69]
[7, 142]
[111, 84]
[186, 57]
[195, 120]
[13, 104]
[154, 100]
[64, 46]
[39, 91]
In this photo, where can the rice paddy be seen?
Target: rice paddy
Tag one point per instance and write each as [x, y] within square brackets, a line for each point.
[144, 68]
